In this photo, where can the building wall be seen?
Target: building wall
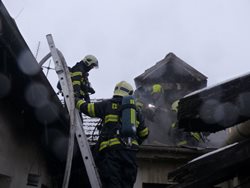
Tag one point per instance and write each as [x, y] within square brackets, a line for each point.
[154, 173]
[21, 160]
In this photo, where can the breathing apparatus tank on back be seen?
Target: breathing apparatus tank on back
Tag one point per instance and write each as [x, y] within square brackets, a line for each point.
[128, 117]
[127, 111]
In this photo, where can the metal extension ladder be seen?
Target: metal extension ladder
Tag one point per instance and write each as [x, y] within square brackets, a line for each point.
[76, 129]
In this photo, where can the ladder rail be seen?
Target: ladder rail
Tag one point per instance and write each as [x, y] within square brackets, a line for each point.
[66, 85]
[75, 121]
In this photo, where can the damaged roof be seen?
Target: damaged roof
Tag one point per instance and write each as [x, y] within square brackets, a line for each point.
[214, 167]
[216, 108]
[171, 66]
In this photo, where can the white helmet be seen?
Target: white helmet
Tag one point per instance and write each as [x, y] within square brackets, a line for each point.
[90, 60]
[123, 89]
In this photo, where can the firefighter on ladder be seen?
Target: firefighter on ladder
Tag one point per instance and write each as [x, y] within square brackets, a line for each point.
[79, 76]
[116, 157]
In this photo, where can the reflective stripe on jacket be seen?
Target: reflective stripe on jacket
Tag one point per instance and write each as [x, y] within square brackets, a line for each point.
[79, 77]
[109, 112]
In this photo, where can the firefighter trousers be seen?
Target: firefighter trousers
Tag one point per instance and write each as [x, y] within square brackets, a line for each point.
[117, 168]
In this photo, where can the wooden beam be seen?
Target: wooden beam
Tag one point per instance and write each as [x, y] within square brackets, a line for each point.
[216, 108]
[213, 168]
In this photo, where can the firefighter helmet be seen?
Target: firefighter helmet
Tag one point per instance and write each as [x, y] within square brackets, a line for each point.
[123, 88]
[90, 61]
[157, 88]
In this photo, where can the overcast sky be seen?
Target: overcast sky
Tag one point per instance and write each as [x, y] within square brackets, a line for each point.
[128, 37]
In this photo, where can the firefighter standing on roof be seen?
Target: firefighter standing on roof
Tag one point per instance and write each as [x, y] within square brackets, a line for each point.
[79, 75]
[184, 138]
[157, 116]
[116, 159]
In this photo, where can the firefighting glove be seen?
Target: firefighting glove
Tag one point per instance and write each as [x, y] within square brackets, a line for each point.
[91, 90]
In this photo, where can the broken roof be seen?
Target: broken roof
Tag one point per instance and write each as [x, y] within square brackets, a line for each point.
[216, 108]
[166, 68]
[213, 168]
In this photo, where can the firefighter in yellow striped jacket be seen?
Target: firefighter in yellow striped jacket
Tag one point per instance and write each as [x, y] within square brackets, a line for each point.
[184, 138]
[116, 158]
[79, 76]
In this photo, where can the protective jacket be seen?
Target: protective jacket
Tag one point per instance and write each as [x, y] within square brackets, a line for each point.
[116, 160]
[184, 138]
[109, 112]
[81, 85]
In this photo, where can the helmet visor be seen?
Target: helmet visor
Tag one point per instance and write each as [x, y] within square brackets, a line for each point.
[91, 61]
[129, 92]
